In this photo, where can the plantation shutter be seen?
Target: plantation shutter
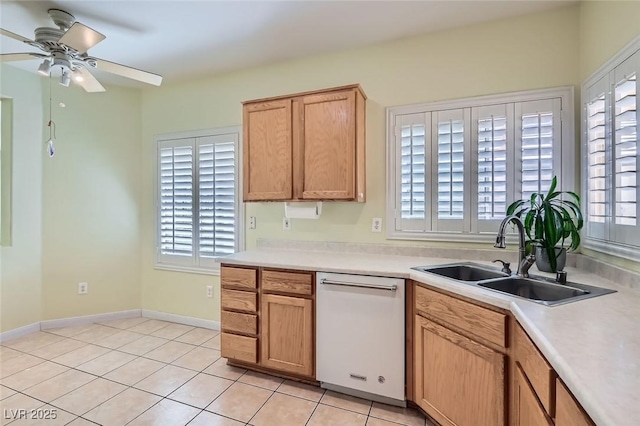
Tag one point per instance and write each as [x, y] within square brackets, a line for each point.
[197, 200]
[597, 123]
[451, 135]
[176, 203]
[625, 152]
[493, 132]
[413, 142]
[538, 149]
[217, 196]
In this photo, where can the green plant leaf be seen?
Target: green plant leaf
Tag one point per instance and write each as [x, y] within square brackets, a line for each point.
[515, 206]
[552, 188]
[539, 227]
[528, 222]
[575, 196]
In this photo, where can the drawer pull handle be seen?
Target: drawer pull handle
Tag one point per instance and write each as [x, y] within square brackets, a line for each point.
[358, 377]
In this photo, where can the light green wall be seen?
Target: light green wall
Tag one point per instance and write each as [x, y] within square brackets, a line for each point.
[605, 28]
[529, 52]
[76, 216]
[20, 263]
[91, 197]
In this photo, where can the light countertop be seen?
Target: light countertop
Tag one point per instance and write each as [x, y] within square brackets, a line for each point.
[593, 344]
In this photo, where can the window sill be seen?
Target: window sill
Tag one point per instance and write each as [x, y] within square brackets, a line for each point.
[612, 249]
[188, 269]
[455, 237]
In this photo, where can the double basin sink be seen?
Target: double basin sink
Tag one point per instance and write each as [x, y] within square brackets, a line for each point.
[536, 289]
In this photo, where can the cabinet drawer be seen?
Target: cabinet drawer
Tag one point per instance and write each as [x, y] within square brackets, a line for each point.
[482, 322]
[287, 282]
[240, 300]
[240, 323]
[238, 277]
[240, 348]
[535, 367]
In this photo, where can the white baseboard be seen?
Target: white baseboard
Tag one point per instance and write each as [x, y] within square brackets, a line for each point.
[181, 319]
[19, 332]
[88, 319]
[109, 316]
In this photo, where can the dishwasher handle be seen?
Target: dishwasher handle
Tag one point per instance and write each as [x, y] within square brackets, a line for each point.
[351, 284]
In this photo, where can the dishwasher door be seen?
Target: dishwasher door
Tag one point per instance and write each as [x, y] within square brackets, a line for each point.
[360, 335]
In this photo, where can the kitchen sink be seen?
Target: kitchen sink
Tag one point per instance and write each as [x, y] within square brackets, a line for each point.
[544, 290]
[536, 289]
[463, 272]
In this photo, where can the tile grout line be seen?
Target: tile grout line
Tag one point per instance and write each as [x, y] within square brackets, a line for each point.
[165, 364]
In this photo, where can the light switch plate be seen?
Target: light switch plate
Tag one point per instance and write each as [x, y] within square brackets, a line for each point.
[286, 224]
[252, 222]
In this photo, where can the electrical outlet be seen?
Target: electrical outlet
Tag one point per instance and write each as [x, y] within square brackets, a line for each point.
[286, 224]
[83, 288]
[209, 291]
[252, 222]
[376, 224]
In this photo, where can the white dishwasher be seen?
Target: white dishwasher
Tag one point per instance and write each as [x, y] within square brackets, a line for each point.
[360, 336]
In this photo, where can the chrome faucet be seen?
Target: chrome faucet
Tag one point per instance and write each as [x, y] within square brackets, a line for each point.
[524, 262]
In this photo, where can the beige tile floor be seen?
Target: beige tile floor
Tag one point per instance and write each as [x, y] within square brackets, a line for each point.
[139, 371]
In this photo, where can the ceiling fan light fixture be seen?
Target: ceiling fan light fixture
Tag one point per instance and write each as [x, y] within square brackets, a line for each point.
[78, 77]
[65, 78]
[45, 67]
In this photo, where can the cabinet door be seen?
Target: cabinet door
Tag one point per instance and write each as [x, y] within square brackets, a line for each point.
[457, 381]
[267, 151]
[529, 412]
[286, 325]
[568, 412]
[327, 144]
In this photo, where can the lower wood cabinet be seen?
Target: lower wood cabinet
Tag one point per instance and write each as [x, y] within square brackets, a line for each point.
[568, 411]
[287, 334]
[528, 410]
[240, 348]
[457, 380]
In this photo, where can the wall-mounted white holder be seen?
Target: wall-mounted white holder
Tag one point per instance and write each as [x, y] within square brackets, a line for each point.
[303, 210]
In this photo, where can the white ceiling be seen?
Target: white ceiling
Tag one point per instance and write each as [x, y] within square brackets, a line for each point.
[187, 39]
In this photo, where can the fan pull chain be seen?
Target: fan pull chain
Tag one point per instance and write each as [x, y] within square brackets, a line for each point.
[50, 147]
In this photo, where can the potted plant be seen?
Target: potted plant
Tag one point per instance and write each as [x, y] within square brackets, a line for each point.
[549, 222]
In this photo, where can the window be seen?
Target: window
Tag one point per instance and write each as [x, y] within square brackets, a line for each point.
[198, 206]
[611, 157]
[454, 167]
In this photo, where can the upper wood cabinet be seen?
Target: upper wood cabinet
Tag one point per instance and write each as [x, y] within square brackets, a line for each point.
[308, 146]
[267, 151]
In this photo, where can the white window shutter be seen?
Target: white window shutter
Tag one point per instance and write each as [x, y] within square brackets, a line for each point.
[450, 182]
[198, 210]
[537, 143]
[413, 144]
[625, 152]
[597, 128]
[455, 166]
[493, 132]
[176, 202]
[217, 196]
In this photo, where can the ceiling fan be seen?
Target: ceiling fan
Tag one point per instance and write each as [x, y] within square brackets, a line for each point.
[66, 47]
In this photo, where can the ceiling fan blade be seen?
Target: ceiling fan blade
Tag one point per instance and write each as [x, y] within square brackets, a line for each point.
[132, 73]
[81, 38]
[88, 81]
[8, 57]
[15, 36]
